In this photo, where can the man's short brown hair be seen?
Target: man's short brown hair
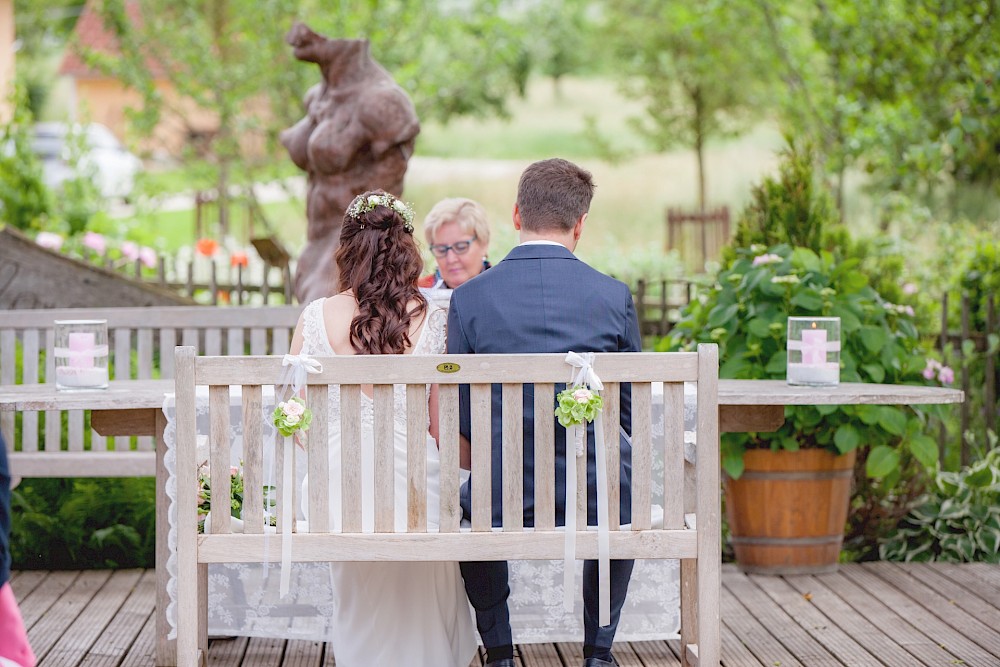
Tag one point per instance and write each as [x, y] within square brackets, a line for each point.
[553, 194]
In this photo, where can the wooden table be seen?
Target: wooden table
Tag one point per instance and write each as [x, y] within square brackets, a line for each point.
[134, 408]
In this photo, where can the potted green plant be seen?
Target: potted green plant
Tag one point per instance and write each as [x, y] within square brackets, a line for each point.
[746, 314]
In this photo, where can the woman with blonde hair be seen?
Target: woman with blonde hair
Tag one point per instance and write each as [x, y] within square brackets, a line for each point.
[458, 234]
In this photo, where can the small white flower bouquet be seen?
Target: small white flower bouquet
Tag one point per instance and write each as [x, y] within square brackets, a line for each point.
[578, 405]
[291, 416]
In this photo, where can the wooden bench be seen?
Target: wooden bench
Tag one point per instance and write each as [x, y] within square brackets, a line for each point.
[690, 529]
[137, 338]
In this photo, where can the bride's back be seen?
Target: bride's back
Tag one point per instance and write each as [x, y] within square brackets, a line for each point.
[340, 311]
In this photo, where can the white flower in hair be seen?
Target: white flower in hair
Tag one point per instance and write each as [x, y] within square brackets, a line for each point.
[364, 204]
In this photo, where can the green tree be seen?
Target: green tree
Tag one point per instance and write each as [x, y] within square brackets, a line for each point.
[699, 67]
[902, 89]
[41, 28]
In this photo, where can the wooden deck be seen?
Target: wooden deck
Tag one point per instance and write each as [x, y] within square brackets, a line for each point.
[871, 614]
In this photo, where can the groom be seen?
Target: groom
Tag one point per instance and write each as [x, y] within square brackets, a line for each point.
[541, 298]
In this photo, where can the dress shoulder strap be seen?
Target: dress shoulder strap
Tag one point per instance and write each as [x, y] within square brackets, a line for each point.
[314, 338]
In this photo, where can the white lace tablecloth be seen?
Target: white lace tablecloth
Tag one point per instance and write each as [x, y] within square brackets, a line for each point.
[243, 598]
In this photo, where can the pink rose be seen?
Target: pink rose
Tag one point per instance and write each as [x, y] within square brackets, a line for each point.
[95, 242]
[147, 256]
[293, 408]
[130, 251]
[233, 471]
[582, 395]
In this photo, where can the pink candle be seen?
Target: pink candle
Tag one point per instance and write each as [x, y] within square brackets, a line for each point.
[82, 346]
[814, 347]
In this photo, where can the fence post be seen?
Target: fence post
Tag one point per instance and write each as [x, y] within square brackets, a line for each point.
[213, 284]
[286, 275]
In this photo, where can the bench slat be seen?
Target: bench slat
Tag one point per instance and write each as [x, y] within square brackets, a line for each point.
[612, 423]
[416, 458]
[253, 459]
[385, 460]
[318, 452]
[642, 456]
[480, 399]
[513, 457]
[451, 511]
[350, 457]
[219, 460]
[673, 455]
[545, 456]
[29, 420]
[8, 340]
[53, 418]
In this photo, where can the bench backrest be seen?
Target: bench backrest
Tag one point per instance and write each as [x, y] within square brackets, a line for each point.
[141, 342]
[679, 537]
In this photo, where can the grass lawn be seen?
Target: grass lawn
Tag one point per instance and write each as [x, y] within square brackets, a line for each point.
[483, 159]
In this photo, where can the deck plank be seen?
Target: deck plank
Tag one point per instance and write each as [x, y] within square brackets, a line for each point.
[537, 655]
[939, 632]
[264, 652]
[812, 619]
[22, 583]
[93, 619]
[892, 615]
[654, 653]
[940, 606]
[123, 630]
[228, 651]
[877, 612]
[299, 653]
[838, 611]
[956, 594]
[142, 652]
[962, 574]
[778, 622]
[755, 637]
[46, 633]
[47, 593]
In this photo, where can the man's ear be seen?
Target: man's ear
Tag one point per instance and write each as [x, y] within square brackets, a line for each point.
[578, 227]
[517, 218]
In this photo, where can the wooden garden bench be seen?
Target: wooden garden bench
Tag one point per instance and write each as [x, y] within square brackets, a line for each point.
[137, 339]
[690, 529]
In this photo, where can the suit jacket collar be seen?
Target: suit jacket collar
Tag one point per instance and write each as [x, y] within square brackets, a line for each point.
[540, 251]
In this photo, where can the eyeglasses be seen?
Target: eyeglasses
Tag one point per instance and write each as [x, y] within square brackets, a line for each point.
[459, 248]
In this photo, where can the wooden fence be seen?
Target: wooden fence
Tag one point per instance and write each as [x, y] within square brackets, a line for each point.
[658, 303]
[233, 286]
[698, 236]
[960, 356]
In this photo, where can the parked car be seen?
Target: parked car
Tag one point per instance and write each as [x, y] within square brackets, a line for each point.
[111, 165]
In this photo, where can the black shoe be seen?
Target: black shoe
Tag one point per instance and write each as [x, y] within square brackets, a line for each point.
[597, 662]
[504, 662]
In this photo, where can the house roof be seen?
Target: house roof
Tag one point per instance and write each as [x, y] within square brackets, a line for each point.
[90, 33]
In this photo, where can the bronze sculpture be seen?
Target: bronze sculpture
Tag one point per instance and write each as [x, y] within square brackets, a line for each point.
[358, 134]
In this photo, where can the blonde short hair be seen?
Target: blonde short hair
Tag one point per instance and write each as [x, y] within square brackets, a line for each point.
[466, 213]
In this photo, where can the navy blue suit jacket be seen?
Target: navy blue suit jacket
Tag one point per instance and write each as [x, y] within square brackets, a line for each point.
[541, 298]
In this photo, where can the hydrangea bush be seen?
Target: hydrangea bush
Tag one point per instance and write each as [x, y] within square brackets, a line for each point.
[746, 313]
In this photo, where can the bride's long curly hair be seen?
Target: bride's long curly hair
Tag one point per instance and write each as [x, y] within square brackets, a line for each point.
[380, 263]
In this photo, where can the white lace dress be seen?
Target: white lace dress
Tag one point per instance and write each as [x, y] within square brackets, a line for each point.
[392, 613]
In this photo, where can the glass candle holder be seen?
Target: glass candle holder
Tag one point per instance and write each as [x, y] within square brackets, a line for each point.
[814, 351]
[81, 354]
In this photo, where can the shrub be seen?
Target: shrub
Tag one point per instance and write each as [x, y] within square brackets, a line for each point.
[957, 521]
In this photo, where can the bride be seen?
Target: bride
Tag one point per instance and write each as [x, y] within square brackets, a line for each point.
[386, 613]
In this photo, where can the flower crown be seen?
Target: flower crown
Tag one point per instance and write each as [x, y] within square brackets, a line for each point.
[362, 204]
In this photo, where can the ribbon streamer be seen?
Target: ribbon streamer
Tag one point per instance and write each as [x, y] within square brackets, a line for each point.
[295, 372]
[585, 375]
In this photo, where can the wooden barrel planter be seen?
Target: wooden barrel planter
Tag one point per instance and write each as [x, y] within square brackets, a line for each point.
[787, 511]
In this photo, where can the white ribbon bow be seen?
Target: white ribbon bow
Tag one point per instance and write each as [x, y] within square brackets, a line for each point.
[585, 375]
[295, 370]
